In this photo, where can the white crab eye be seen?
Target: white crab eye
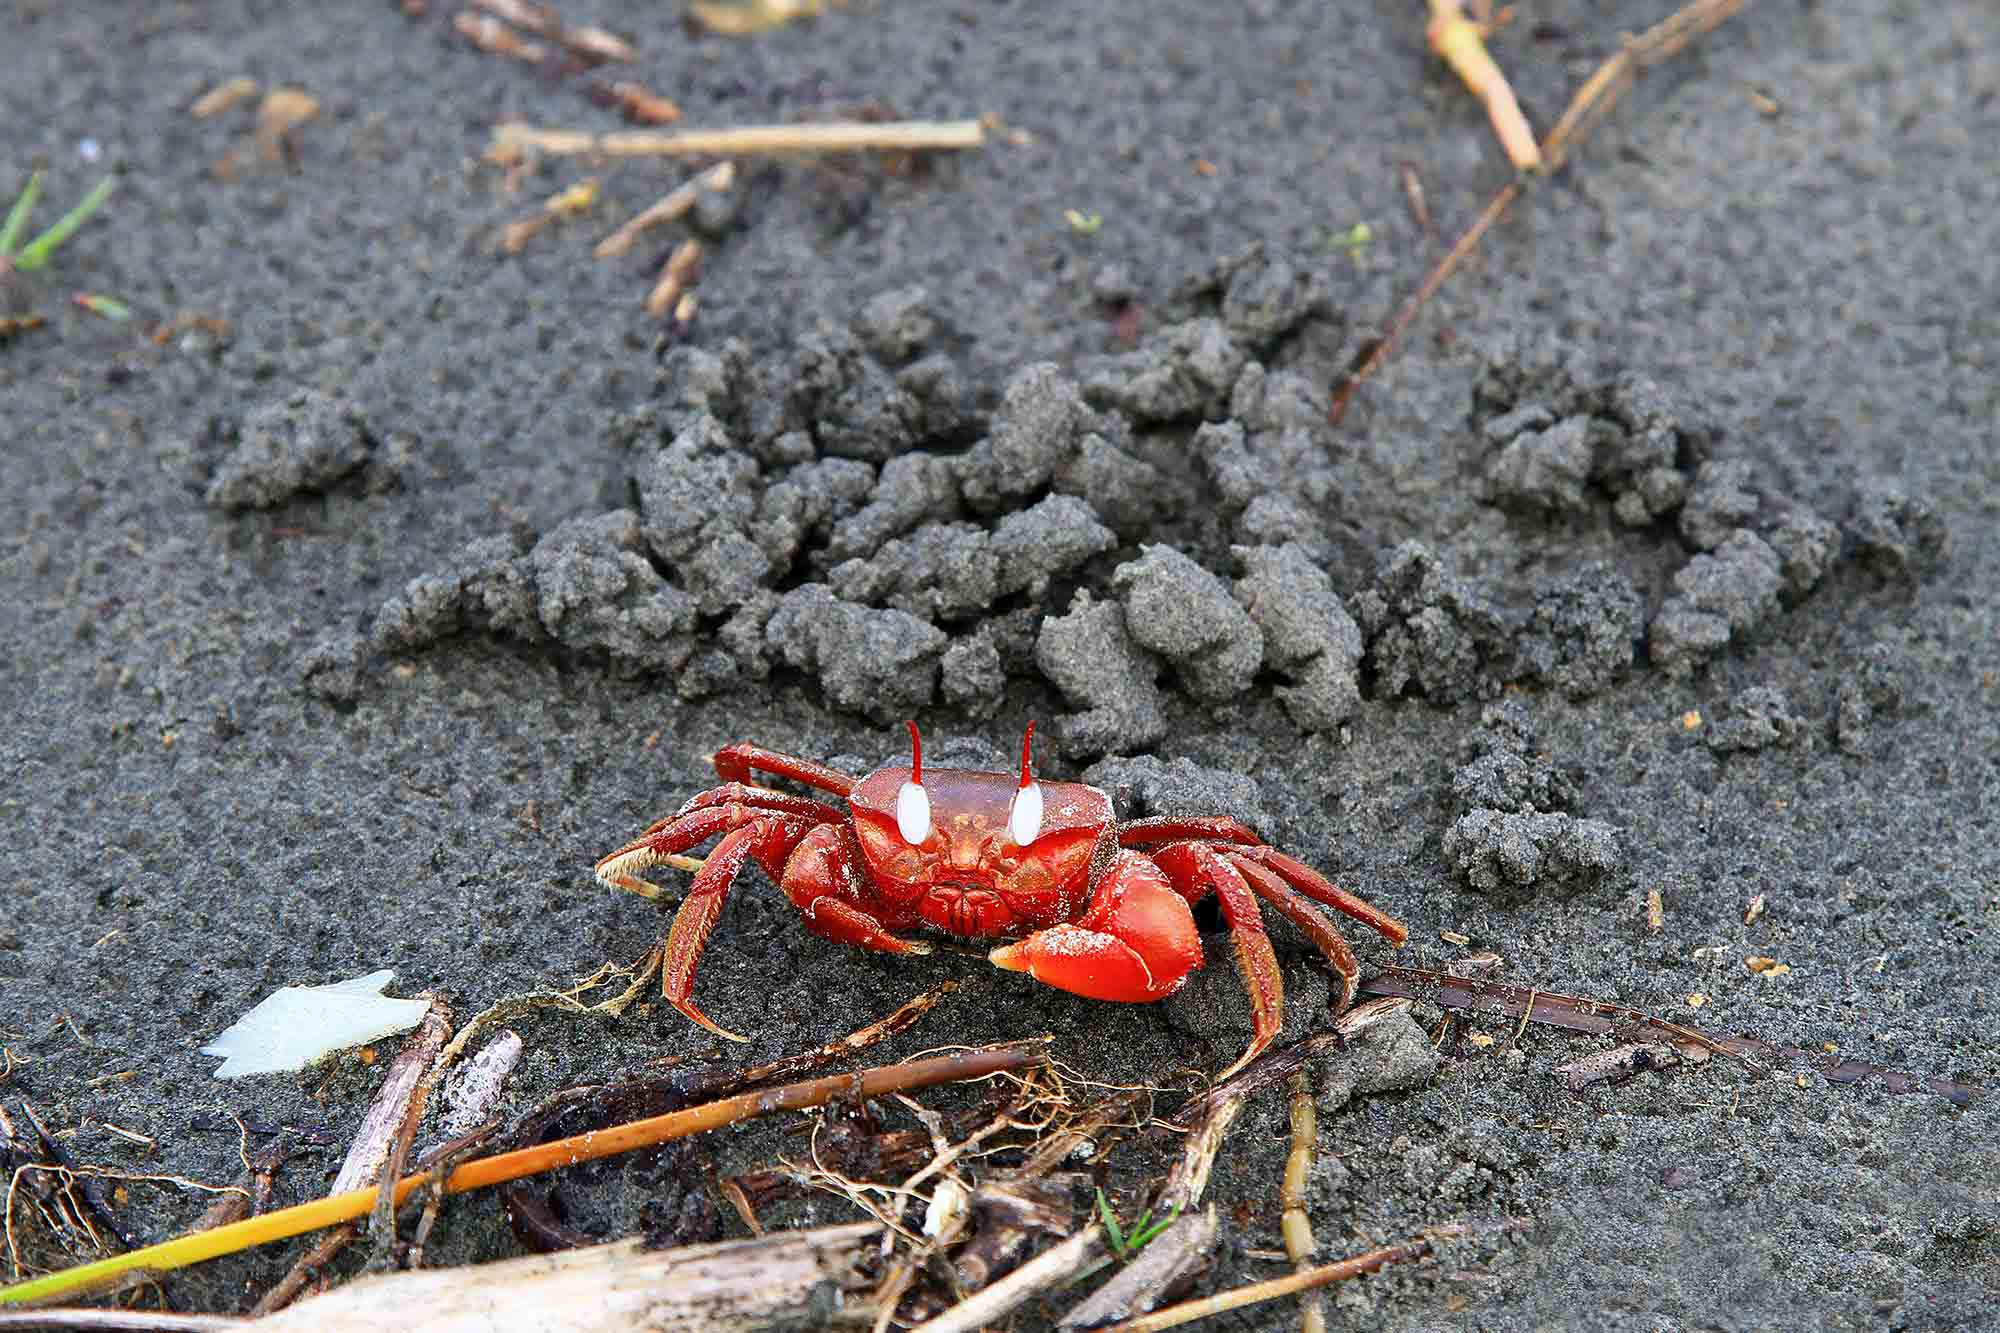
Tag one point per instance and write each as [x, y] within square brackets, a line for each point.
[1024, 821]
[913, 813]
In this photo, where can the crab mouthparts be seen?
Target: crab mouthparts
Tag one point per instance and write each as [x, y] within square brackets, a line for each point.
[966, 910]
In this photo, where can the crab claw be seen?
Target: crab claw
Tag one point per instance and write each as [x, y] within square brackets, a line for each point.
[1136, 942]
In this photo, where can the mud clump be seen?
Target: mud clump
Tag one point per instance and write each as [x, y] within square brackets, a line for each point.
[303, 442]
[1759, 717]
[1513, 837]
[1429, 629]
[1146, 785]
[1089, 656]
[1309, 637]
[1180, 611]
[882, 664]
[842, 508]
[1718, 599]
[1557, 442]
[1583, 632]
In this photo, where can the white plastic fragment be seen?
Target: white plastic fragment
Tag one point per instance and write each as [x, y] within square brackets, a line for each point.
[296, 1025]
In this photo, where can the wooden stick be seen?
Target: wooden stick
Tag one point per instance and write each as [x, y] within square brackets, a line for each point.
[831, 137]
[194, 1248]
[120, 1321]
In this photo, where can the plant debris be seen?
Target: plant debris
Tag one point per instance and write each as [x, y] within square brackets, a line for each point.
[494, 1170]
[1579, 1014]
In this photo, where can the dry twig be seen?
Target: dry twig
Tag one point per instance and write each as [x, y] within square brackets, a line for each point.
[381, 1142]
[674, 206]
[1076, 1255]
[1581, 1014]
[568, 203]
[747, 18]
[1175, 1254]
[1210, 1115]
[223, 96]
[675, 276]
[591, 44]
[119, 1321]
[829, 137]
[640, 104]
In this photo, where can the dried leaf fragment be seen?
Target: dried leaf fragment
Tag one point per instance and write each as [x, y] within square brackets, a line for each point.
[283, 110]
[640, 104]
[492, 36]
[1765, 967]
[563, 204]
[223, 96]
[674, 278]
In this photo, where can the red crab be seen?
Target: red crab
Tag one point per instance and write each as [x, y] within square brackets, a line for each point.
[1093, 906]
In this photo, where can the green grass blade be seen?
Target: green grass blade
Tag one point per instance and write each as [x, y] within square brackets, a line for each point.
[17, 216]
[1141, 1233]
[36, 253]
[1110, 1220]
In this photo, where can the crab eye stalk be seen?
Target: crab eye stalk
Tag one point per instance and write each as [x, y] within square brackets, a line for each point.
[913, 804]
[1024, 817]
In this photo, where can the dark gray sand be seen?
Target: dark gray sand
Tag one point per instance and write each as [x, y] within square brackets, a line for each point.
[1663, 556]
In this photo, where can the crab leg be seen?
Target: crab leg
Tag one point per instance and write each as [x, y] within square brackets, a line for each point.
[696, 918]
[1196, 869]
[1173, 828]
[734, 762]
[661, 844]
[769, 838]
[650, 849]
[747, 831]
[1136, 941]
[763, 798]
[1273, 890]
[1315, 885]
